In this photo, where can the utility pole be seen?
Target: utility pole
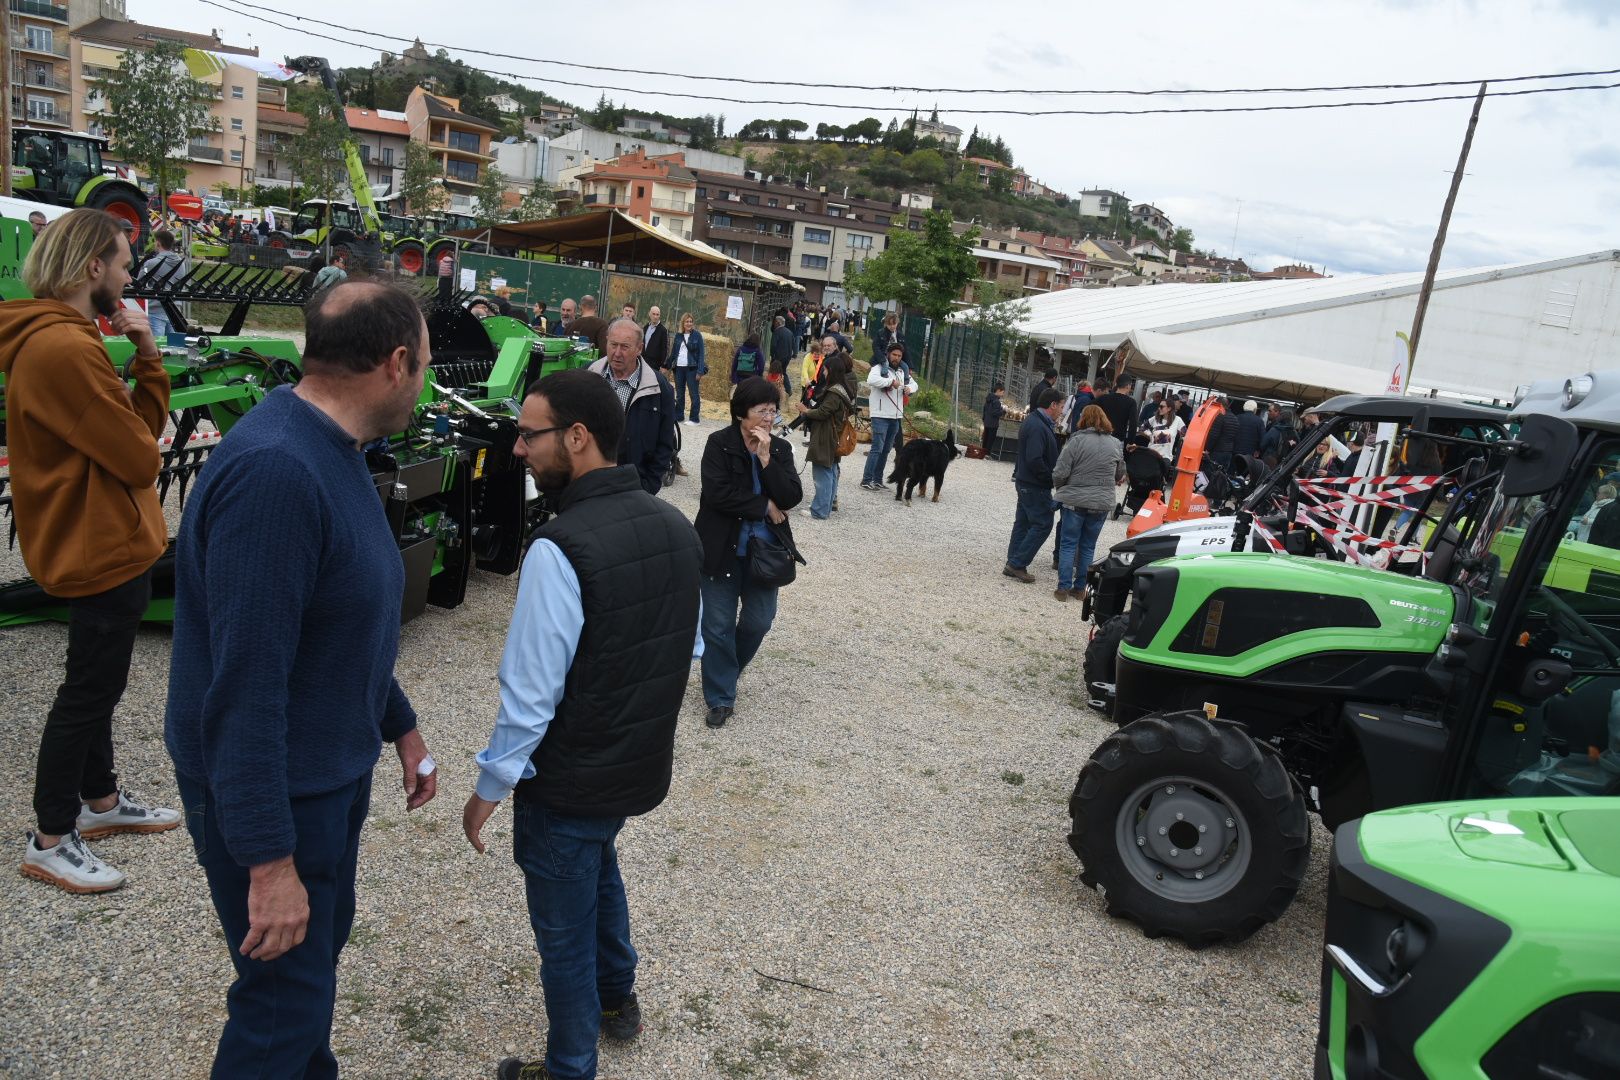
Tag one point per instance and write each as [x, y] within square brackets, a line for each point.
[5, 103]
[1440, 240]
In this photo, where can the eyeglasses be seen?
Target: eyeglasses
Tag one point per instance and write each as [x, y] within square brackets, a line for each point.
[528, 437]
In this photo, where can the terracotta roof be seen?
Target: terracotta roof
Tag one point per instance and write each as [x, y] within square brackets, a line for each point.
[141, 35]
[374, 121]
[283, 117]
[440, 109]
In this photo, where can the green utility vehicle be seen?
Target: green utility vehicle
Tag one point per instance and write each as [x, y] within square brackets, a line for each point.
[456, 498]
[1474, 940]
[64, 169]
[1255, 688]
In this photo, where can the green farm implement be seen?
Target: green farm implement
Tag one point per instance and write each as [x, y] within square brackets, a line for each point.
[456, 498]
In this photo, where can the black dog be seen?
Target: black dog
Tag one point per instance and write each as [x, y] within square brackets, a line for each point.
[919, 461]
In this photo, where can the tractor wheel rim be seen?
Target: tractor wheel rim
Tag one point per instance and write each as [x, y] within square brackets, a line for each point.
[1183, 839]
[410, 261]
[124, 212]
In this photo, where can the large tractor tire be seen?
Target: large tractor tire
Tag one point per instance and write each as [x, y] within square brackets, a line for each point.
[125, 205]
[1190, 829]
[1102, 655]
[412, 256]
[435, 252]
[279, 239]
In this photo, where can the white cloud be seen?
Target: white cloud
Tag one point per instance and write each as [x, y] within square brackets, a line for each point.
[1357, 189]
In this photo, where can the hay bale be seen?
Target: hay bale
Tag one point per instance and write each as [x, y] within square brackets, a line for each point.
[717, 353]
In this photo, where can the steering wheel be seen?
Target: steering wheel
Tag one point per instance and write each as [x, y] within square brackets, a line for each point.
[1568, 619]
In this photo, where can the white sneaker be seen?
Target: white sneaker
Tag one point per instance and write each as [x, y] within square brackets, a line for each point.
[70, 865]
[129, 815]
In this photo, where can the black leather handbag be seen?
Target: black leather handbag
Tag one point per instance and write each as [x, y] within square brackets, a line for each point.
[771, 561]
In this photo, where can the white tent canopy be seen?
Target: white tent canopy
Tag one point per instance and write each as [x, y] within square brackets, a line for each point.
[1154, 357]
[1487, 329]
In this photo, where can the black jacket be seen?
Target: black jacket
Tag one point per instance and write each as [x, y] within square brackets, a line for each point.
[656, 350]
[993, 412]
[784, 343]
[648, 442]
[1249, 434]
[727, 496]
[1040, 387]
[1037, 451]
[1121, 412]
[609, 749]
[1222, 434]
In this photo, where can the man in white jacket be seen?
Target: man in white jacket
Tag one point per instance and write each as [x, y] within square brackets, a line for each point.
[887, 386]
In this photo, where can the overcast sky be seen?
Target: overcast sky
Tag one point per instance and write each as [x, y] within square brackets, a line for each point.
[1356, 190]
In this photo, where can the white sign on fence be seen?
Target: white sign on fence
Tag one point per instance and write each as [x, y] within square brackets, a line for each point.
[734, 307]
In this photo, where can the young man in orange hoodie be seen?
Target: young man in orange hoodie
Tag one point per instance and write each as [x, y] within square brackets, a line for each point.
[84, 465]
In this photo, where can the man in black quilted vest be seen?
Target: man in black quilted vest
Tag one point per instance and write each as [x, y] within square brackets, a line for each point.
[595, 669]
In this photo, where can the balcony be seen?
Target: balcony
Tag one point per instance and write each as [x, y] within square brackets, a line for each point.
[674, 206]
[96, 72]
[40, 80]
[21, 42]
[38, 9]
[205, 153]
[600, 201]
[32, 113]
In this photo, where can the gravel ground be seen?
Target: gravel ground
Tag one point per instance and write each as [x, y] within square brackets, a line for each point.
[884, 820]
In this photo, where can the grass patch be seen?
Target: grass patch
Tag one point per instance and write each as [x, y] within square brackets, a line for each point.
[423, 1021]
[261, 317]
[1016, 779]
[699, 1011]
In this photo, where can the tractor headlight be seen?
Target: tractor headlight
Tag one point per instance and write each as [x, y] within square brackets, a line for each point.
[1404, 947]
[1576, 389]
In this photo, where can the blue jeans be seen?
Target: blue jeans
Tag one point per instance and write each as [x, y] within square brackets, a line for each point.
[730, 640]
[159, 319]
[826, 489]
[279, 1012]
[581, 926]
[885, 429]
[1079, 532]
[686, 377]
[1032, 524]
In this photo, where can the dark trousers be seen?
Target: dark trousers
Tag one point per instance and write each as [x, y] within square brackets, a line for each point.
[581, 926]
[76, 749]
[1032, 524]
[686, 380]
[279, 1012]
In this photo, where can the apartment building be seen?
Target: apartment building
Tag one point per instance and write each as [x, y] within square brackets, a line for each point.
[1151, 217]
[582, 147]
[458, 141]
[550, 121]
[41, 63]
[279, 128]
[1099, 202]
[381, 136]
[658, 190]
[805, 233]
[1010, 262]
[227, 155]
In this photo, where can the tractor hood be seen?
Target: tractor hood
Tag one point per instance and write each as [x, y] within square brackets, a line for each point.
[1234, 615]
[1504, 856]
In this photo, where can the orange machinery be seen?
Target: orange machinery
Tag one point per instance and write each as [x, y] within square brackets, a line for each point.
[1184, 502]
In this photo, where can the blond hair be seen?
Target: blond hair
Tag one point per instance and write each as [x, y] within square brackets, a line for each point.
[59, 261]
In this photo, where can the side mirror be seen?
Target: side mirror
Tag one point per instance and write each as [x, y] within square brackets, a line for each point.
[1547, 447]
[1544, 678]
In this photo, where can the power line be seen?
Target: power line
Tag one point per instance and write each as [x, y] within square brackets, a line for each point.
[916, 89]
[890, 108]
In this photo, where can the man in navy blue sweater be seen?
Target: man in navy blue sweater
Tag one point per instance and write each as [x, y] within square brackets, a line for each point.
[288, 585]
[1037, 454]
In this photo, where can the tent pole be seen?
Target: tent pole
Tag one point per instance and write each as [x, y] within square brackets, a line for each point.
[607, 251]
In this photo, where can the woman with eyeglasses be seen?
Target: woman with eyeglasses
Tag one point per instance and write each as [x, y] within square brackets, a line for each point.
[749, 483]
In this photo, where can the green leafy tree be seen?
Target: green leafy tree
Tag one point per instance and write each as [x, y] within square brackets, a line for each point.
[317, 156]
[826, 160]
[1182, 240]
[925, 269]
[826, 132]
[886, 167]
[999, 312]
[538, 204]
[868, 130]
[154, 107]
[489, 194]
[925, 166]
[420, 183]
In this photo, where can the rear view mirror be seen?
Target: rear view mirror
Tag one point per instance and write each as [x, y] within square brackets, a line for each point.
[1547, 449]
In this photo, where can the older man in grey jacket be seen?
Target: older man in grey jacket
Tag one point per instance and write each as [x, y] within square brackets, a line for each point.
[1087, 472]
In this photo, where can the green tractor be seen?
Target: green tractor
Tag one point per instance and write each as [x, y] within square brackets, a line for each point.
[64, 169]
[1253, 689]
[455, 496]
[1474, 939]
[320, 222]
